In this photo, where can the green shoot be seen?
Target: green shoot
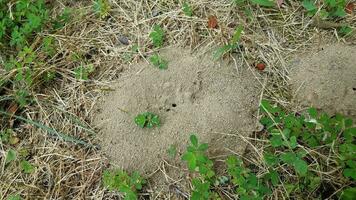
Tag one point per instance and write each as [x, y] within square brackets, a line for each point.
[147, 119]
[159, 62]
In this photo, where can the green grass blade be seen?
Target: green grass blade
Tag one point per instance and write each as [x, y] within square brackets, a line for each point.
[51, 131]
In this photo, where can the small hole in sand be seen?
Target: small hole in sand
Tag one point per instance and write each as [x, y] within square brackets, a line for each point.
[354, 88]
[174, 105]
[168, 110]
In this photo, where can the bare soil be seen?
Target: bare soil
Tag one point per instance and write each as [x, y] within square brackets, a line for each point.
[326, 80]
[215, 101]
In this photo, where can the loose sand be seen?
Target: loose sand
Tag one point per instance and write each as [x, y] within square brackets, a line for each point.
[326, 80]
[194, 95]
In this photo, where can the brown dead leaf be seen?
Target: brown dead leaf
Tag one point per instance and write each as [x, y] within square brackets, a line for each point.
[350, 8]
[212, 21]
[12, 108]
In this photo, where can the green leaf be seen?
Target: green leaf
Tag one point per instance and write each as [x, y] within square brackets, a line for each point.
[14, 197]
[10, 156]
[274, 177]
[276, 140]
[140, 120]
[187, 9]
[194, 140]
[221, 51]
[191, 159]
[345, 31]
[102, 8]
[293, 142]
[159, 62]
[313, 112]
[270, 159]
[300, 166]
[203, 147]
[350, 173]
[348, 194]
[237, 35]
[27, 167]
[265, 3]
[309, 6]
[157, 36]
[288, 157]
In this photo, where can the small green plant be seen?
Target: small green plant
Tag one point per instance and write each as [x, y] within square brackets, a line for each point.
[229, 47]
[26, 18]
[27, 167]
[102, 8]
[119, 180]
[147, 119]
[187, 9]
[158, 61]
[197, 161]
[157, 36]
[10, 156]
[48, 46]
[295, 140]
[345, 31]
[248, 185]
[196, 158]
[330, 9]
[82, 72]
[14, 197]
[310, 7]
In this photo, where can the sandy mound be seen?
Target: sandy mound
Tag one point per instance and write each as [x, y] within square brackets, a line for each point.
[327, 80]
[192, 96]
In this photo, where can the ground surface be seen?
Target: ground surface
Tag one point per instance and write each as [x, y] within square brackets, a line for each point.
[274, 36]
[194, 95]
[326, 79]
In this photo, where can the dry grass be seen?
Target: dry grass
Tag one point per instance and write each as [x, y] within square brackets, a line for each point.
[69, 171]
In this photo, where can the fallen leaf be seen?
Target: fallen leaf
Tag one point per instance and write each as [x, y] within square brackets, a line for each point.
[12, 108]
[212, 22]
[14, 140]
[350, 8]
[261, 66]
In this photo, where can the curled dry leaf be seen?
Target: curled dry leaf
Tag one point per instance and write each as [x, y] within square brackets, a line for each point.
[261, 66]
[350, 8]
[212, 21]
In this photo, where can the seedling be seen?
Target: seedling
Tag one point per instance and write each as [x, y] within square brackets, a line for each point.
[82, 72]
[249, 186]
[157, 36]
[102, 8]
[159, 62]
[147, 119]
[27, 167]
[120, 181]
[232, 45]
[196, 158]
[331, 8]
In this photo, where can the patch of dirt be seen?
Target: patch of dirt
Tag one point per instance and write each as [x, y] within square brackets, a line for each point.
[194, 95]
[327, 80]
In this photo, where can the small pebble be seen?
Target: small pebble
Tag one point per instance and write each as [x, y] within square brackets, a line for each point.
[124, 40]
